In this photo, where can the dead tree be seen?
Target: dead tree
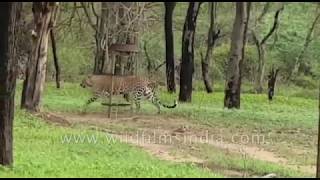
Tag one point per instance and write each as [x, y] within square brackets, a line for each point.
[130, 16]
[238, 41]
[55, 57]
[261, 51]
[213, 35]
[100, 28]
[123, 9]
[272, 77]
[116, 22]
[44, 16]
[308, 40]
[9, 14]
[171, 85]
[150, 63]
[187, 65]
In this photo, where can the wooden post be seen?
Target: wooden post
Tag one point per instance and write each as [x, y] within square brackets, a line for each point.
[136, 57]
[111, 92]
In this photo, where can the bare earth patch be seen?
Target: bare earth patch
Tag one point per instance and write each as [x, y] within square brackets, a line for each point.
[159, 135]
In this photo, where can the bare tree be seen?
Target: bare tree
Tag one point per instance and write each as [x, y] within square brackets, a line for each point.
[9, 14]
[44, 16]
[187, 64]
[55, 57]
[171, 85]
[100, 28]
[261, 51]
[115, 23]
[238, 41]
[213, 35]
[125, 35]
[308, 40]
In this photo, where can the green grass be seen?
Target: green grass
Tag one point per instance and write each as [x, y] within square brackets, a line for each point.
[39, 151]
[287, 121]
[244, 164]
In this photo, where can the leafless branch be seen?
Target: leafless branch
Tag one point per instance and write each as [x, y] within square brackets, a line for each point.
[88, 16]
[264, 12]
[94, 10]
[273, 28]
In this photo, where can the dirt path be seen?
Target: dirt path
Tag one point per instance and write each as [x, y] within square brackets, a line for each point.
[161, 135]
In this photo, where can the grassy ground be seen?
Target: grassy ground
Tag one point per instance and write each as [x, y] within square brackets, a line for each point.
[287, 123]
[40, 151]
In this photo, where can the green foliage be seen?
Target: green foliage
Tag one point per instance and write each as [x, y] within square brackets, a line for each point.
[76, 42]
[306, 82]
[295, 22]
[221, 58]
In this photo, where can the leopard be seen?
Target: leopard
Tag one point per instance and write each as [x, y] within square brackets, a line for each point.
[133, 88]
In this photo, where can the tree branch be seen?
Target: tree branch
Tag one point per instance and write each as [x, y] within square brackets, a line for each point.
[88, 16]
[159, 66]
[308, 39]
[273, 28]
[55, 58]
[149, 66]
[94, 10]
[256, 42]
[264, 12]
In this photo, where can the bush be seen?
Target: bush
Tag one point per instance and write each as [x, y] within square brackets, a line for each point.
[305, 82]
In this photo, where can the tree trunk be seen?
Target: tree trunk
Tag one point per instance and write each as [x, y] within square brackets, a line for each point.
[150, 63]
[187, 65]
[212, 36]
[8, 19]
[171, 85]
[261, 51]
[123, 36]
[232, 89]
[205, 72]
[101, 43]
[272, 83]
[55, 58]
[35, 74]
[245, 38]
[308, 40]
[261, 70]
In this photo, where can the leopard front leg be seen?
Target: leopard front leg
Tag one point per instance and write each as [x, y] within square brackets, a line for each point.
[89, 101]
[96, 95]
[137, 98]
